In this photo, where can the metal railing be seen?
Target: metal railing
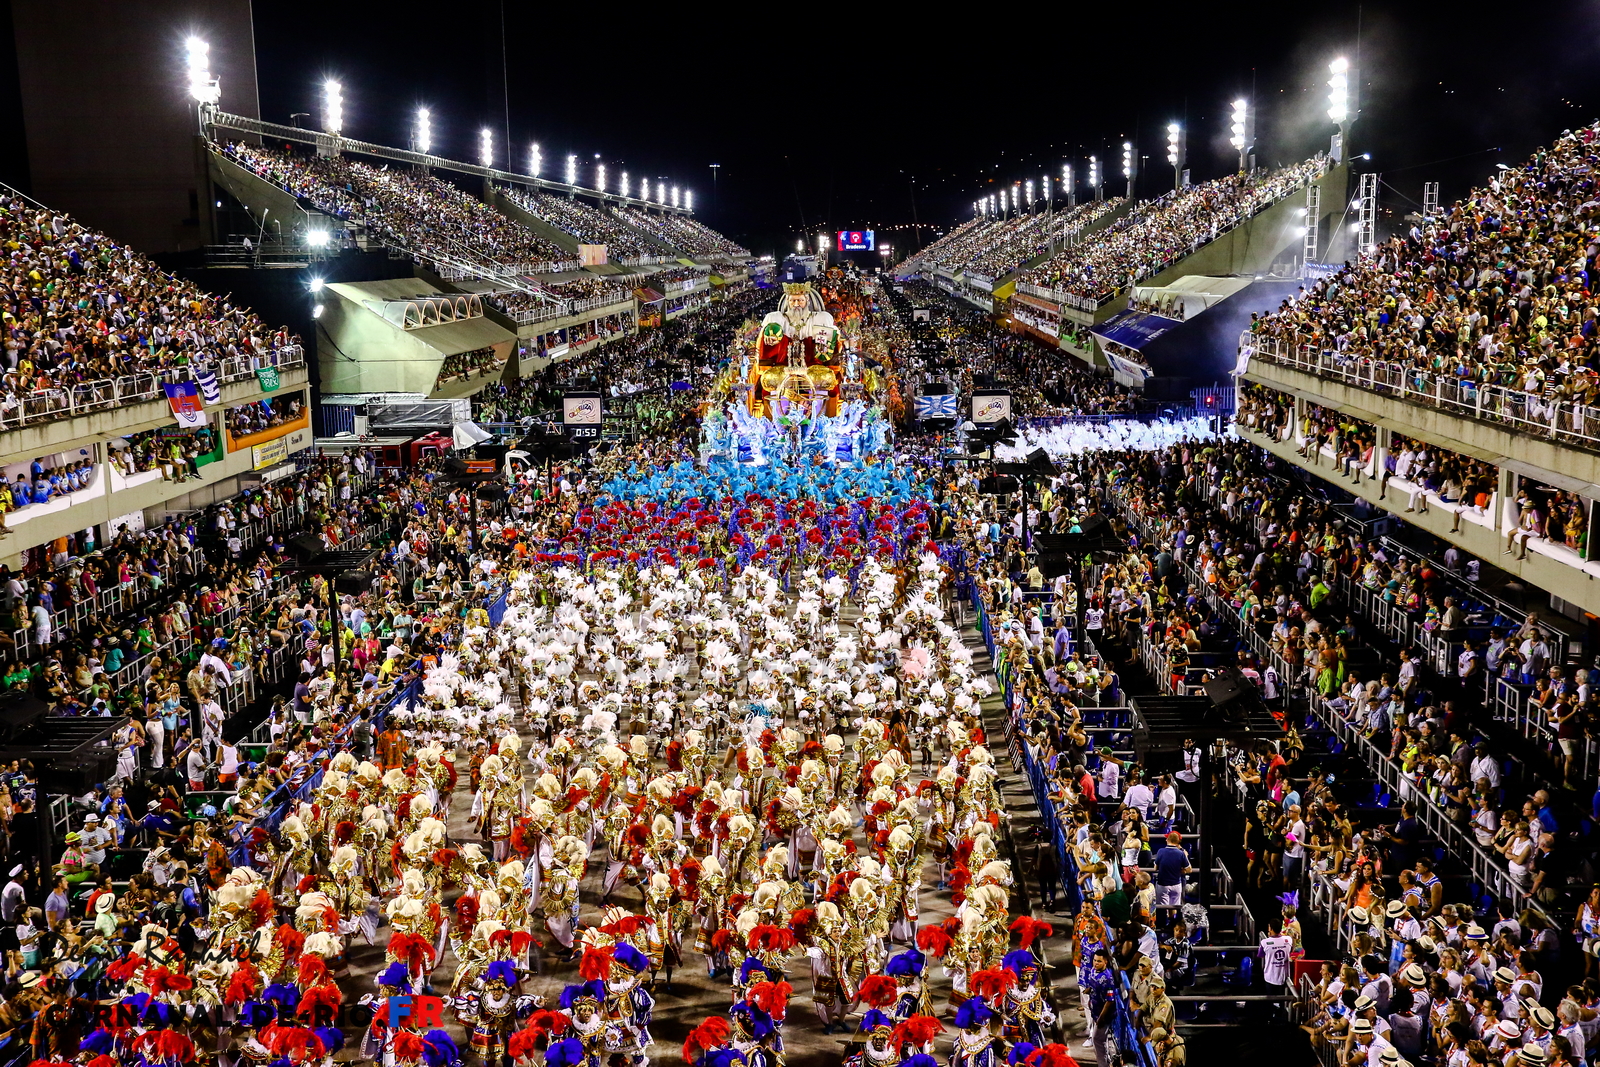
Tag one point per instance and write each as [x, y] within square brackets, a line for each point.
[1522, 412]
[1487, 869]
[105, 394]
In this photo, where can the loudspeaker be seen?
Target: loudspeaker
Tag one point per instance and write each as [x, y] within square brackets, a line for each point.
[352, 582]
[1094, 525]
[1225, 689]
[455, 467]
[305, 546]
[18, 711]
[78, 776]
[1054, 564]
[999, 485]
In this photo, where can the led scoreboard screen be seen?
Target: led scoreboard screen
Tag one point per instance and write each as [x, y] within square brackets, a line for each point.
[855, 240]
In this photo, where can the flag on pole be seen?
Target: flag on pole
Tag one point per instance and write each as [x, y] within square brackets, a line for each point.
[185, 401]
[208, 386]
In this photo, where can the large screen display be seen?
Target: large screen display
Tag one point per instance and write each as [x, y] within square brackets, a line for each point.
[855, 240]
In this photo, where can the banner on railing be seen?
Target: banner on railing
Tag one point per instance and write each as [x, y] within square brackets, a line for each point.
[268, 377]
[185, 401]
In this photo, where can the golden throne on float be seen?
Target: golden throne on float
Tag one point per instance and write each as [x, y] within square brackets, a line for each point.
[798, 354]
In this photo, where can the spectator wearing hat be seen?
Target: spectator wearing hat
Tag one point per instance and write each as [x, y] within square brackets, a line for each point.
[94, 839]
[1366, 1046]
[72, 865]
[1169, 1048]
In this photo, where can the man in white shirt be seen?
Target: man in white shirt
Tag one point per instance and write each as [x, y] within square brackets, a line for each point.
[1484, 766]
[1275, 963]
[1140, 798]
[1294, 854]
[93, 840]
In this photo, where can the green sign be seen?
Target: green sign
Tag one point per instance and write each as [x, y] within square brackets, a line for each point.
[268, 377]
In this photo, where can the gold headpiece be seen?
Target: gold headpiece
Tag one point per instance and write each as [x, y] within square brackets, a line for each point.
[796, 288]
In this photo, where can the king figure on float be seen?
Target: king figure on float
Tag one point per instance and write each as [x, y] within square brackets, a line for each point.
[798, 354]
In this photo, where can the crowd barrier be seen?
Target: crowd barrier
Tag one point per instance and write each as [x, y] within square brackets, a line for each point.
[1132, 1045]
[1487, 869]
[1521, 411]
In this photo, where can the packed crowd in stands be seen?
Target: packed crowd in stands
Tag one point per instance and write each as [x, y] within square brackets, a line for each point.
[588, 224]
[1495, 290]
[78, 308]
[262, 415]
[1163, 231]
[1042, 381]
[173, 451]
[418, 212]
[997, 246]
[203, 860]
[683, 233]
[650, 361]
[479, 362]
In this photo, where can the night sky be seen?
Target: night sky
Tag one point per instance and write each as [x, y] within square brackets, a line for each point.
[823, 121]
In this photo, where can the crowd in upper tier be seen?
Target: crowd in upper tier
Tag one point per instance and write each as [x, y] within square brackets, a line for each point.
[1497, 289]
[413, 210]
[79, 308]
[682, 233]
[1163, 231]
[997, 245]
[588, 224]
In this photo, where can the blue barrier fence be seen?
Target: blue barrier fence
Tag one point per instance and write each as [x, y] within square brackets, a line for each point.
[1134, 1048]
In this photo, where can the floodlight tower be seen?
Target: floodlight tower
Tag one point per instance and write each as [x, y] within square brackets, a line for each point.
[1177, 153]
[422, 134]
[535, 160]
[332, 116]
[486, 148]
[204, 90]
[600, 177]
[1068, 190]
[1243, 131]
[1095, 178]
[1342, 105]
[1130, 167]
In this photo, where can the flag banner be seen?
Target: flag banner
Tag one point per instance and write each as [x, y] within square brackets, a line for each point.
[185, 401]
[208, 386]
[268, 377]
[937, 407]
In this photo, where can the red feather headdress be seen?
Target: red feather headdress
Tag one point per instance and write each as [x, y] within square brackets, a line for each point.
[878, 990]
[1028, 928]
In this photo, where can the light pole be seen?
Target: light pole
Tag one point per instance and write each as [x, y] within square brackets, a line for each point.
[1177, 150]
[715, 167]
[1342, 110]
[1243, 129]
[1130, 167]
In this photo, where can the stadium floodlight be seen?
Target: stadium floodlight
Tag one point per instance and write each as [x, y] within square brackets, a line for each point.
[535, 160]
[644, 189]
[624, 184]
[316, 285]
[1242, 131]
[674, 196]
[486, 147]
[572, 169]
[688, 200]
[1044, 188]
[1339, 90]
[600, 176]
[202, 86]
[332, 107]
[1177, 153]
[424, 131]
[316, 312]
[1028, 185]
[317, 238]
[800, 244]
[1094, 176]
[661, 190]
